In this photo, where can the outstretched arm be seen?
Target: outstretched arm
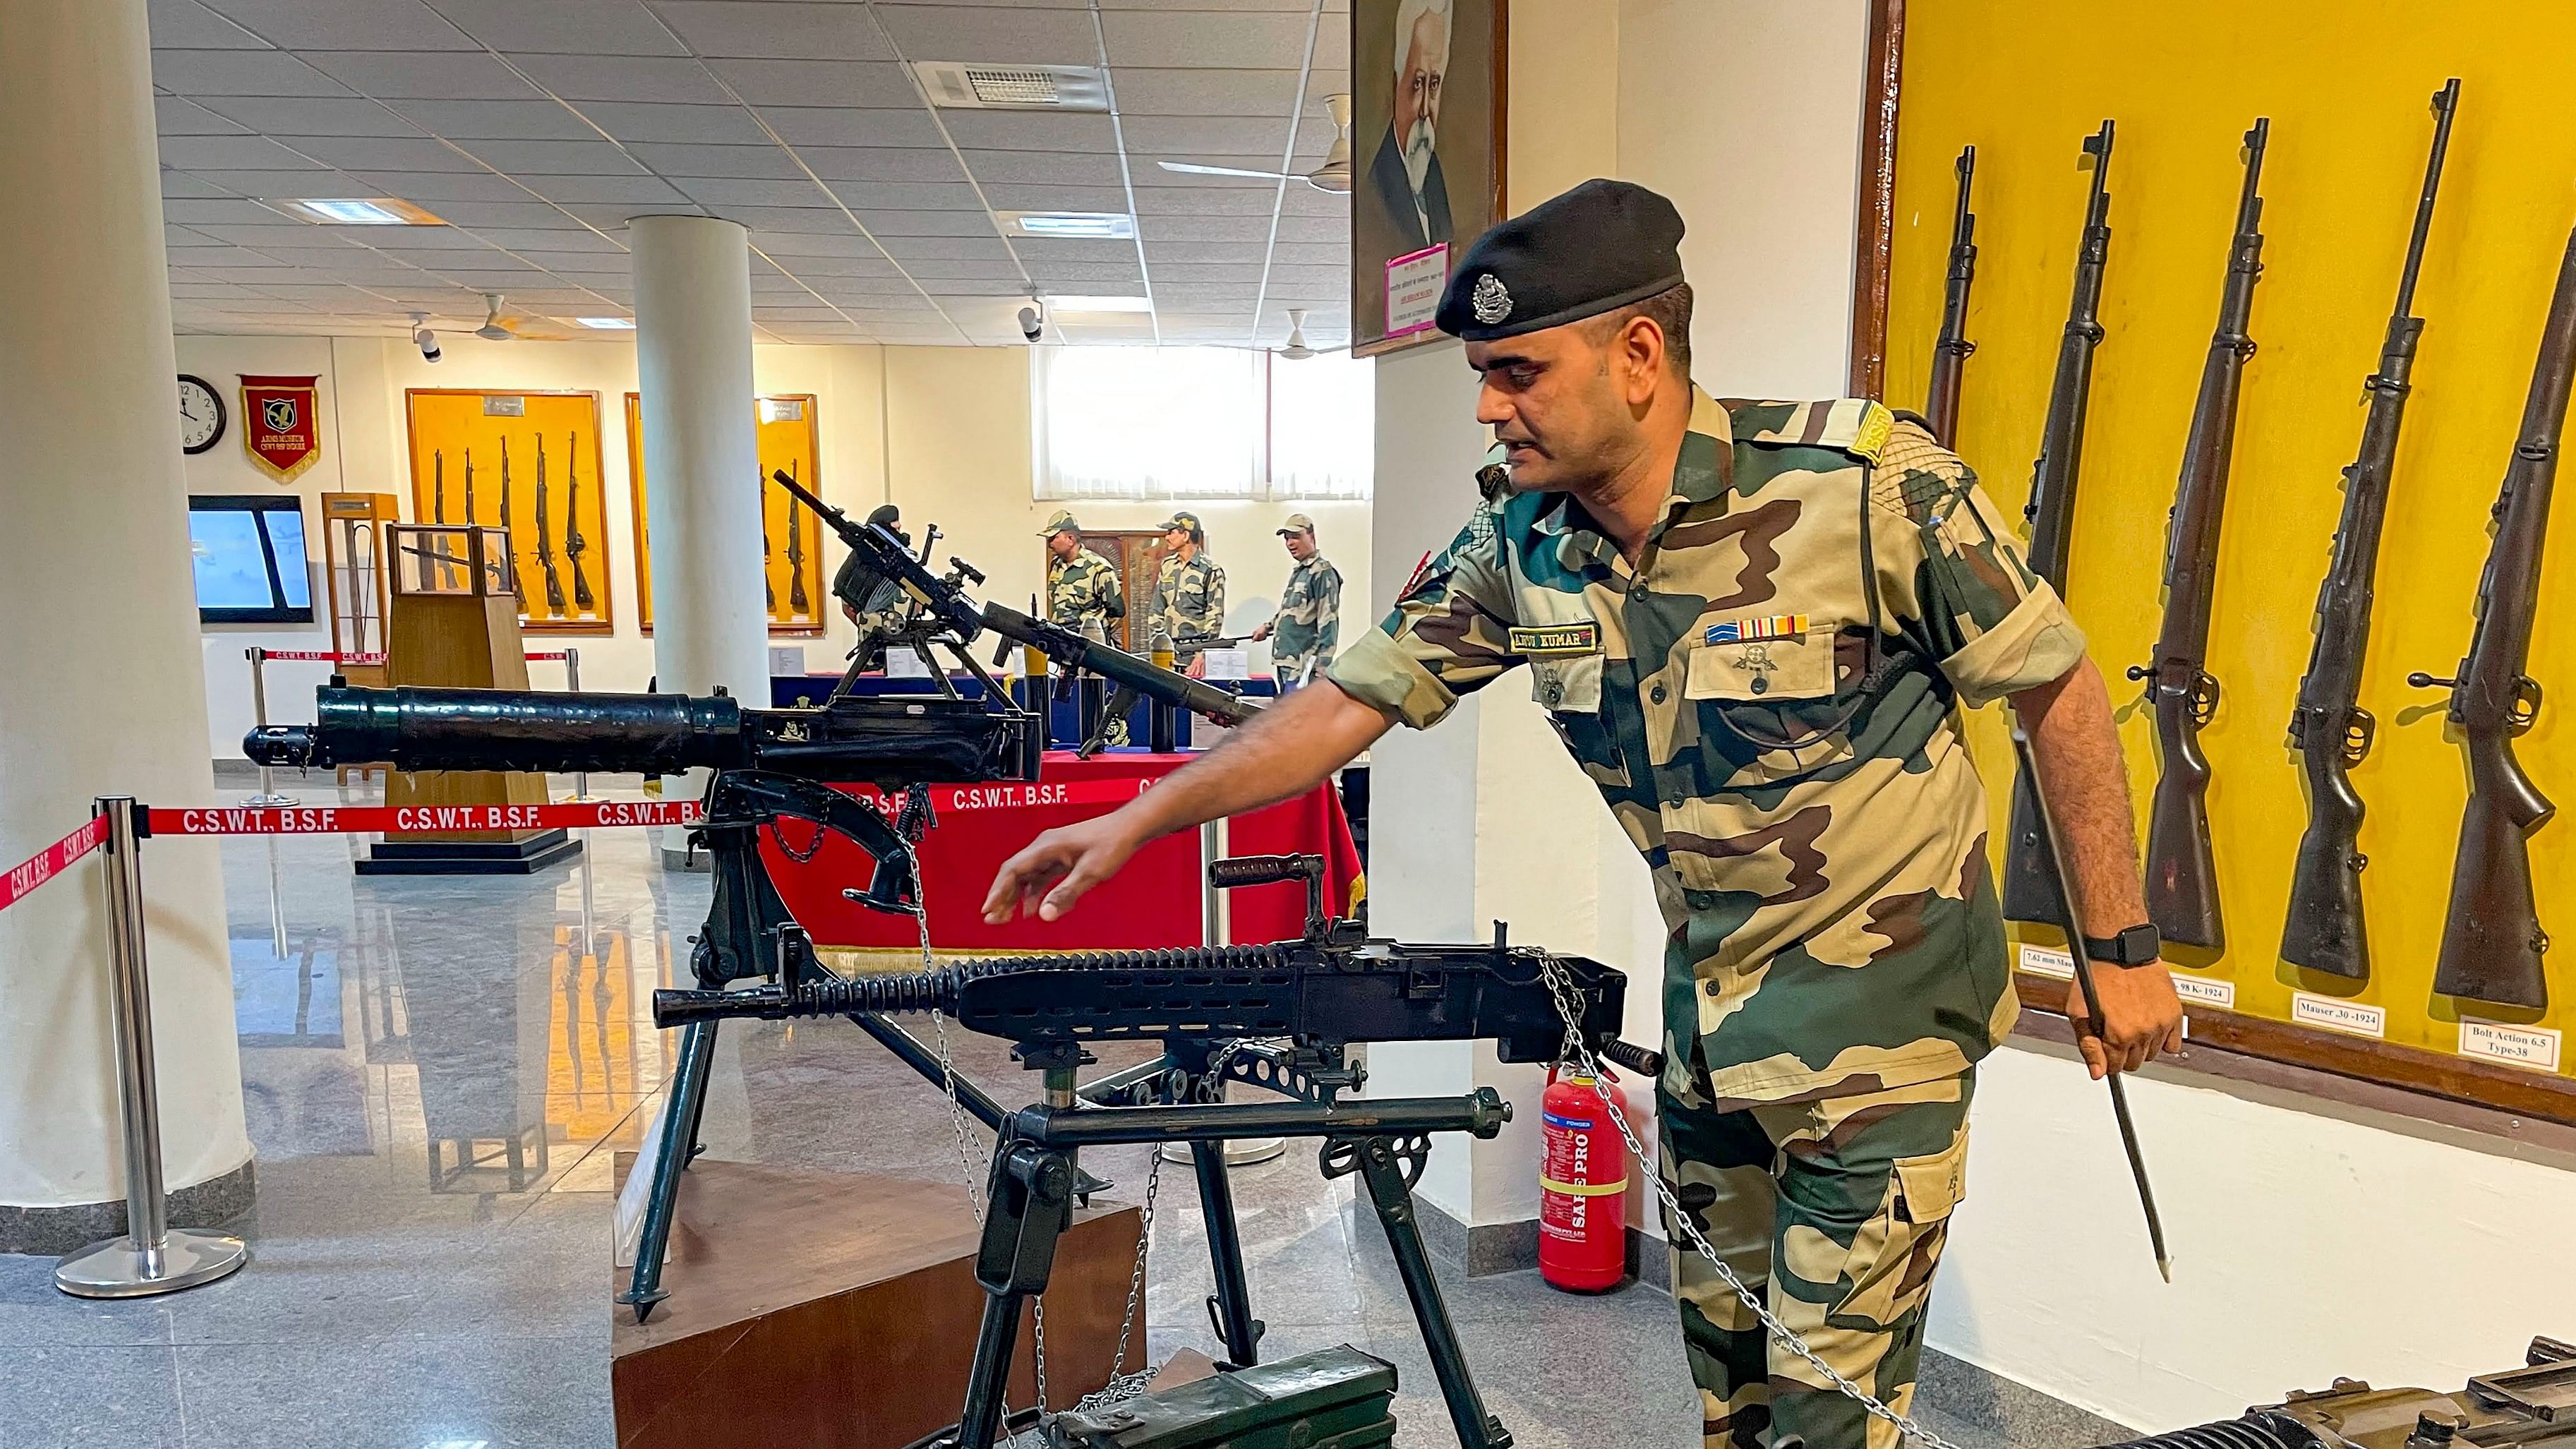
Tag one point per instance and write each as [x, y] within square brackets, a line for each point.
[1285, 750]
[2087, 786]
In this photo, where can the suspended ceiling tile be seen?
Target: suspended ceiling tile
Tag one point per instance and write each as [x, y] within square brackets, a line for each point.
[557, 158]
[835, 270]
[344, 24]
[203, 154]
[761, 162]
[1149, 171]
[1172, 91]
[310, 115]
[1250, 200]
[954, 222]
[1075, 249]
[562, 27]
[798, 248]
[610, 216]
[883, 163]
[176, 184]
[1181, 136]
[218, 210]
[240, 73]
[1167, 274]
[636, 190]
[175, 116]
[820, 218]
[1250, 41]
[270, 185]
[655, 122]
[778, 29]
[187, 25]
[548, 246]
[1086, 272]
[428, 188]
[479, 120]
[1055, 168]
[1202, 228]
[987, 286]
[382, 153]
[817, 83]
[724, 192]
[909, 196]
[986, 248]
[1019, 197]
[623, 78]
[849, 126]
[1019, 36]
[408, 75]
[525, 212]
[1335, 229]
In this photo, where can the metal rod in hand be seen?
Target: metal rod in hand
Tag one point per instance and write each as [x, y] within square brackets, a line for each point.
[2052, 847]
[258, 658]
[151, 1257]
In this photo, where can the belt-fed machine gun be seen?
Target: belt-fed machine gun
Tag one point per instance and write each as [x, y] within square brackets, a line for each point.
[1277, 1017]
[2520, 1408]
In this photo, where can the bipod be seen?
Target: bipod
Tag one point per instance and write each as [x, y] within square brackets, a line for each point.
[1031, 1206]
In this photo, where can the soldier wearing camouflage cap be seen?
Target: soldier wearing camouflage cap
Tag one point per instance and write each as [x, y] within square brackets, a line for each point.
[1189, 593]
[1753, 625]
[1308, 627]
[1083, 593]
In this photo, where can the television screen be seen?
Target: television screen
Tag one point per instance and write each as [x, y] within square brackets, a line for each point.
[250, 563]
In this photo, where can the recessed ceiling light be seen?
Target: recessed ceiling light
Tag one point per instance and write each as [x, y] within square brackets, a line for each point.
[1103, 225]
[973, 86]
[362, 211]
[608, 324]
[1101, 304]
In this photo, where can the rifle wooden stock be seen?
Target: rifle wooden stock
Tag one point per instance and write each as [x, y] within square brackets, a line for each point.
[2325, 930]
[2030, 886]
[2492, 940]
[2182, 875]
[1950, 351]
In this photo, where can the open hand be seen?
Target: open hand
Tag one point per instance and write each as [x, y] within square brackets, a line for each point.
[2142, 1017]
[1057, 869]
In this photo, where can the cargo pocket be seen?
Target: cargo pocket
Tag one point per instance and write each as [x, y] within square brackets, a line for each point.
[1890, 1270]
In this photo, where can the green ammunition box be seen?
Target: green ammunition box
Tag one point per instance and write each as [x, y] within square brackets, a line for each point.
[1335, 1398]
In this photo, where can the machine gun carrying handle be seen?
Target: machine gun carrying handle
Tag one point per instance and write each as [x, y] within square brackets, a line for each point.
[1254, 870]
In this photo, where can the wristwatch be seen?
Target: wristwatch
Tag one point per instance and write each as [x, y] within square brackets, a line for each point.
[2135, 946]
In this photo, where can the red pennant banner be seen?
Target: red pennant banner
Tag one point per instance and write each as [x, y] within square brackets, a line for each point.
[281, 426]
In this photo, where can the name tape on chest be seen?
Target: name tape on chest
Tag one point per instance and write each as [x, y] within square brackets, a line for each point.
[1752, 631]
[1551, 640]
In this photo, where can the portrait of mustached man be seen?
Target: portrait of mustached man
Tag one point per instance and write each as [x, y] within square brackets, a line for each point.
[1423, 146]
[1406, 168]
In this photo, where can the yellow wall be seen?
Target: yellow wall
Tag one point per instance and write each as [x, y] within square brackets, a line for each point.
[2346, 86]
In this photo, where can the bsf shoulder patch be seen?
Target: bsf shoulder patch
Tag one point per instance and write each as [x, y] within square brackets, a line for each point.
[1555, 639]
[1751, 631]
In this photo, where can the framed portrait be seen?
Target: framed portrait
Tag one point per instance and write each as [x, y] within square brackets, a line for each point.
[1427, 80]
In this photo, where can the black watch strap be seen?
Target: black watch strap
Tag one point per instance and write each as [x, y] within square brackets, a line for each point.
[2135, 946]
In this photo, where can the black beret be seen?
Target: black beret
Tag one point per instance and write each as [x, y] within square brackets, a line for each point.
[1594, 249]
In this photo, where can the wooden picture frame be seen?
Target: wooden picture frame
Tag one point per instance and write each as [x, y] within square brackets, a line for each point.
[1137, 554]
[444, 424]
[790, 435]
[1464, 177]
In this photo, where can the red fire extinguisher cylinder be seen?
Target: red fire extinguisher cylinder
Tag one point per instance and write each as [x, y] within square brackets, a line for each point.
[1583, 1185]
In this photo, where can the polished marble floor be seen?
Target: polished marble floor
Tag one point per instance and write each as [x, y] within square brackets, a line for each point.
[438, 1071]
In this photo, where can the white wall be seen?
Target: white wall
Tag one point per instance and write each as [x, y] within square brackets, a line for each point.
[958, 453]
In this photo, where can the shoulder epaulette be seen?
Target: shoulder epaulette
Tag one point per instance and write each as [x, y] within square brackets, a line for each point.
[1855, 425]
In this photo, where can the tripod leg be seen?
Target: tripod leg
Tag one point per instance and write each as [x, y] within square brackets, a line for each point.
[1231, 1305]
[990, 1377]
[681, 1114]
[1385, 1177]
[1028, 1208]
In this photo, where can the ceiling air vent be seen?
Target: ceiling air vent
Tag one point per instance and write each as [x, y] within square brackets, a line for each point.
[967, 86]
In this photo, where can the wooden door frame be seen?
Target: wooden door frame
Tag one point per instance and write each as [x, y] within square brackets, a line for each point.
[1875, 233]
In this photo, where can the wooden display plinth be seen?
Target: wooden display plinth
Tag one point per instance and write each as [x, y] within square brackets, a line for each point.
[835, 1310]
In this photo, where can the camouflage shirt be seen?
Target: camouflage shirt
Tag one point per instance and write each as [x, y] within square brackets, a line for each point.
[1080, 593]
[1794, 777]
[1309, 622]
[1189, 602]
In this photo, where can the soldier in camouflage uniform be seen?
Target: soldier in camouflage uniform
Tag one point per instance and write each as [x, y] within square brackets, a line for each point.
[1189, 594]
[1308, 626]
[1753, 626]
[1083, 593]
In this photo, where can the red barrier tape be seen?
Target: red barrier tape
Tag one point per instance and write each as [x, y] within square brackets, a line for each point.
[338, 820]
[1036, 794]
[325, 656]
[557, 656]
[46, 863]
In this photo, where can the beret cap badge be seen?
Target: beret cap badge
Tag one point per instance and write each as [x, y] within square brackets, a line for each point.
[1491, 300]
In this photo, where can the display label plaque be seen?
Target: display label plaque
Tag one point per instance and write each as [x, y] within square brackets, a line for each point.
[497, 405]
[2047, 961]
[2333, 1015]
[2220, 994]
[1414, 282]
[2535, 1047]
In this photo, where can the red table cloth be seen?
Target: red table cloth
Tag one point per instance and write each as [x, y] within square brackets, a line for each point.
[1155, 901]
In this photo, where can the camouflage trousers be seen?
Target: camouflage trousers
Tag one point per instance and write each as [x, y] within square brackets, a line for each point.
[1835, 1211]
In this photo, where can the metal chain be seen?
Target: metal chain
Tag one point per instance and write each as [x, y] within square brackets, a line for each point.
[1560, 987]
[791, 852]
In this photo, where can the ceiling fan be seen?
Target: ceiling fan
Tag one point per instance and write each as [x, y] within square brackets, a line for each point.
[1333, 176]
[1297, 350]
[498, 328]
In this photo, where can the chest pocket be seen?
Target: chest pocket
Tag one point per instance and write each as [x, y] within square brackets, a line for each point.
[1569, 689]
[1794, 669]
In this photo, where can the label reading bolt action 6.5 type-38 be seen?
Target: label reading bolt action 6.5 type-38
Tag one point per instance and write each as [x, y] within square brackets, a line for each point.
[2333, 1015]
[2524, 1046]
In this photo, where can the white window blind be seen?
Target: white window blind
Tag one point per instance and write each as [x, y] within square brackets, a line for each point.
[1199, 422]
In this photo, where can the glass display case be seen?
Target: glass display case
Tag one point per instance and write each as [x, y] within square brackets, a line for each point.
[354, 574]
[450, 558]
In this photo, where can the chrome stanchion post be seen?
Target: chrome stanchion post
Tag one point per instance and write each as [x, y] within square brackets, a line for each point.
[572, 682]
[1216, 928]
[258, 658]
[151, 1257]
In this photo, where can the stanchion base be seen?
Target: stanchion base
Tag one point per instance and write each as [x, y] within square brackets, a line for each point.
[270, 801]
[1239, 1152]
[113, 1269]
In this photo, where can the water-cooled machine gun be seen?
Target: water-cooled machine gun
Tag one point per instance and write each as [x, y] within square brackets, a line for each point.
[1277, 1017]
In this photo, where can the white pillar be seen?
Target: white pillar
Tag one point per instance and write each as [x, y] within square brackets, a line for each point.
[693, 360]
[101, 688]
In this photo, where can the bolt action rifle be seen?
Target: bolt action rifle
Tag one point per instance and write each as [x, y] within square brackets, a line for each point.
[438, 514]
[2331, 731]
[546, 541]
[2182, 869]
[2029, 889]
[2492, 940]
[800, 604]
[518, 590]
[574, 544]
[1950, 352]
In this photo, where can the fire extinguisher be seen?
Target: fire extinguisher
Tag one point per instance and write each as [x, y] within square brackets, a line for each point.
[1583, 1184]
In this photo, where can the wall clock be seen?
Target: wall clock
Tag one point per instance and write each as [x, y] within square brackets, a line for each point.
[201, 414]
